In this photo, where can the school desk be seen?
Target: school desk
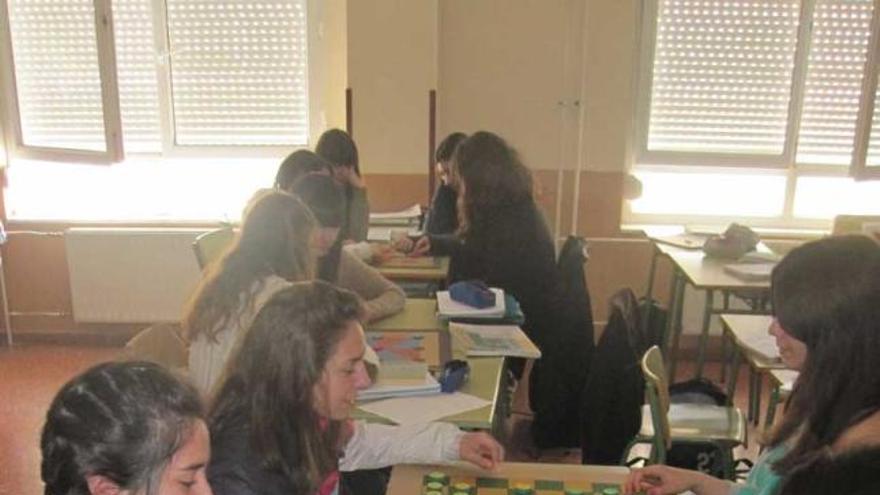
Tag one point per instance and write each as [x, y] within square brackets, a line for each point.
[511, 477]
[751, 342]
[488, 376]
[691, 266]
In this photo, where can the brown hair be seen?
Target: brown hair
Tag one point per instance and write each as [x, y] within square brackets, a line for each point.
[826, 294]
[274, 240]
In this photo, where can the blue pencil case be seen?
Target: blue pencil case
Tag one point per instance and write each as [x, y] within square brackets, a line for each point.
[474, 293]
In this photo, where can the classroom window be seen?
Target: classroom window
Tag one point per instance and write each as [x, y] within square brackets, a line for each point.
[735, 96]
[169, 75]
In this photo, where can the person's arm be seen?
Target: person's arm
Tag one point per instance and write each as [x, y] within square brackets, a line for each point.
[664, 480]
[358, 214]
[381, 296]
[374, 446]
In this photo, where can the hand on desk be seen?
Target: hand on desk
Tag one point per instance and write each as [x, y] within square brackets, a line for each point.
[480, 449]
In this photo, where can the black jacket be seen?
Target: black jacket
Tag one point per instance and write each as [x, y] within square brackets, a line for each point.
[443, 215]
[615, 388]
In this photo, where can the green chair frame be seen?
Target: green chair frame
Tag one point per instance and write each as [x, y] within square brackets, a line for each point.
[663, 431]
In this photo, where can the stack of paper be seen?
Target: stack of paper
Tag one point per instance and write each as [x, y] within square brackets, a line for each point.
[403, 217]
[750, 271]
[416, 410]
[382, 390]
[447, 308]
[492, 340]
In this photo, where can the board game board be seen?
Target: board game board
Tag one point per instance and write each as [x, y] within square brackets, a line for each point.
[406, 346]
[508, 479]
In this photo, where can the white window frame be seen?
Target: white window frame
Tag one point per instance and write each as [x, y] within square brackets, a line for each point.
[104, 39]
[784, 164]
[170, 149]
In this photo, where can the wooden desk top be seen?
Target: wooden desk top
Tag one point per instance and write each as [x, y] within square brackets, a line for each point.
[417, 315]
[408, 479]
[708, 273]
[750, 336]
[484, 382]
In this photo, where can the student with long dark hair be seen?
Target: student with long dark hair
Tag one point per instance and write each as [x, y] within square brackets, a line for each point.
[127, 427]
[280, 422]
[338, 148]
[826, 300]
[271, 251]
[503, 240]
[297, 165]
[443, 214]
[325, 197]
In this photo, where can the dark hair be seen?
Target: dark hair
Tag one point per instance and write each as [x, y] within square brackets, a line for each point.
[325, 197]
[270, 381]
[274, 240]
[337, 147]
[296, 165]
[494, 180]
[826, 294]
[121, 420]
[446, 148]
[854, 472]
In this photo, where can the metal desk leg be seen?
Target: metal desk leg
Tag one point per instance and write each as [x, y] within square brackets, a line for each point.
[651, 274]
[771, 408]
[673, 321]
[704, 335]
[734, 373]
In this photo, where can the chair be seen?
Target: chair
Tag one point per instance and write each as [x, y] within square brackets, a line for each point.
[852, 224]
[160, 343]
[664, 423]
[210, 245]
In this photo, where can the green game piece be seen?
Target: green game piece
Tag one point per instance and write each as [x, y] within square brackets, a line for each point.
[491, 483]
[575, 491]
[611, 490]
[437, 477]
[433, 493]
[433, 486]
[521, 489]
[461, 488]
[549, 485]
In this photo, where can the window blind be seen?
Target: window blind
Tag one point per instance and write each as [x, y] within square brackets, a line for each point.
[833, 85]
[239, 72]
[722, 75]
[136, 61]
[57, 74]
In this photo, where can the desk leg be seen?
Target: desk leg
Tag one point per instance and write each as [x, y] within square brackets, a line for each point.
[704, 334]
[734, 374]
[759, 384]
[673, 321]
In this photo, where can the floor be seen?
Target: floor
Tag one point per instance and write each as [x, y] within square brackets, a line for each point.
[31, 374]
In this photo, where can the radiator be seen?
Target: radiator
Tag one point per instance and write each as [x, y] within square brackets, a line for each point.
[125, 275]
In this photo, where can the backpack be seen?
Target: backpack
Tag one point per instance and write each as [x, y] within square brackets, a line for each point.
[704, 456]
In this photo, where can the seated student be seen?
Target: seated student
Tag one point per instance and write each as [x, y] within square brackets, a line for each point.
[298, 164]
[341, 266]
[281, 424]
[854, 472]
[826, 299]
[504, 241]
[443, 215]
[271, 251]
[337, 147]
[125, 428]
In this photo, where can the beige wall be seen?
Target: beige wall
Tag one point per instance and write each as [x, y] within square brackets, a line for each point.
[392, 65]
[333, 52]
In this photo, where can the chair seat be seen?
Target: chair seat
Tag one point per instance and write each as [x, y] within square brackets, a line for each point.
[700, 422]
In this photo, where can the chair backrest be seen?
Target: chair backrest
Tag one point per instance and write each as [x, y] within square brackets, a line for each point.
[160, 343]
[852, 224]
[657, 391]
[210, 245]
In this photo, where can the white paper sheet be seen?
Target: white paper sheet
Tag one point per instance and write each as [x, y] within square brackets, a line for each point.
[411, 410]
